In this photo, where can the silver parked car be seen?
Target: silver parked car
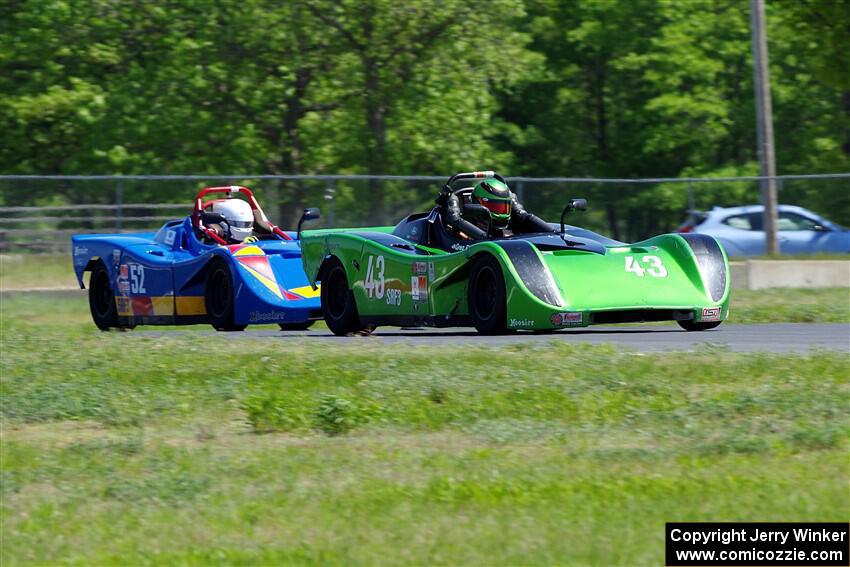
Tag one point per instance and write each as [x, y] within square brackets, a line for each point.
[739, 230]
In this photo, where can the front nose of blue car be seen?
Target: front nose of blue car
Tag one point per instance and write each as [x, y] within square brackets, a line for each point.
[271, 286]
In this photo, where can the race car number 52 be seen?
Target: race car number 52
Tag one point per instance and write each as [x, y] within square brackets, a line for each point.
[654, 266]
[374, 283]
[137, 279]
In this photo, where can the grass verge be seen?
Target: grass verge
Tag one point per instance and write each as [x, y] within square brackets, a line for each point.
[119, 448]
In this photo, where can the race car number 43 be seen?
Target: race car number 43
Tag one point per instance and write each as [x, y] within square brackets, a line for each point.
[654, 267]
[374, 283]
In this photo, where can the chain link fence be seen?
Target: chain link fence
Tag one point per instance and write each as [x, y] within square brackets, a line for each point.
[40, 213]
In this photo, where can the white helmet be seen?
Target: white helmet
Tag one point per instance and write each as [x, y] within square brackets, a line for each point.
[238, 216]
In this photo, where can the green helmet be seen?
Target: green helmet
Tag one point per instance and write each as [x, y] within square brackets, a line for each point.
[496, 197]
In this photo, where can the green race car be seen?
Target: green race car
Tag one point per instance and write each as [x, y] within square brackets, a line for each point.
[421, 272]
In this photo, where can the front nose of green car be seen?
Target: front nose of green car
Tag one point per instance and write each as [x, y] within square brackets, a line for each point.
[711, 262]
[663, 279]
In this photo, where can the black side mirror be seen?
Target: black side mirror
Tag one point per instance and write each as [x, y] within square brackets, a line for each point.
[309, 214]
[573, 205]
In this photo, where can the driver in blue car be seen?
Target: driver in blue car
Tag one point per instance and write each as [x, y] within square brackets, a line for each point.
[506, 216]
[238, 224]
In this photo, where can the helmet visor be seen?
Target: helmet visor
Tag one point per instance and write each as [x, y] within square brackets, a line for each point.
[497, 207]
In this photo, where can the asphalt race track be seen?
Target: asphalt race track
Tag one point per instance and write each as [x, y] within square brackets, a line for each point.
[776, 337]
[768, 337]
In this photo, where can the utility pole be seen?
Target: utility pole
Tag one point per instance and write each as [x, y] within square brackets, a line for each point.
[764, 124]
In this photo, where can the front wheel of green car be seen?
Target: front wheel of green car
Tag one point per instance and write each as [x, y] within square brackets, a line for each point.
[338, 305]
[487, 296]
[692, 326]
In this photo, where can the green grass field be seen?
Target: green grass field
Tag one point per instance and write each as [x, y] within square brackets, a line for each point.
[120, 448]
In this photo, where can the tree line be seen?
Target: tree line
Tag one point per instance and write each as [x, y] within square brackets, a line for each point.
[579, 88]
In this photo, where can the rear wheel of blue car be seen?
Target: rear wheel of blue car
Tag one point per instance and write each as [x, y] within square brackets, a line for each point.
[486, 296]
[693, 326]
[102, 299]
[218, 297]
[338, 305]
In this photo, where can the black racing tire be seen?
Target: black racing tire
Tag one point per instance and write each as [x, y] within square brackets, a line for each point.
[486, 295]
[338, 305]
[102, 298]
[218, 297]
[303, 326]
[693, 326]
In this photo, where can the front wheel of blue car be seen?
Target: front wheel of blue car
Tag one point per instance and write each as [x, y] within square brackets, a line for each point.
[487, 297]
[218, 297]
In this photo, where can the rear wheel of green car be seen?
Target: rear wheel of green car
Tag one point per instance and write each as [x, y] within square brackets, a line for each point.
[692, 326]
[486, 296]
[338, 306]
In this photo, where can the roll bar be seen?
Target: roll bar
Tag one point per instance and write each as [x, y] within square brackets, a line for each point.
[198, 222]
[471, 175]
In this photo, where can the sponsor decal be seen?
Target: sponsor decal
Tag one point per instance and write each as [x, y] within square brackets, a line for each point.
[419, 267]
[169, 237]
[566, 319]
[125, 309]
[710, 314]
[81, 254]
[459, 247]
[431, 271]
[419, 288]
[124, 271]
[123, 287]
[116, 257]
[268, 316]
[521, 323]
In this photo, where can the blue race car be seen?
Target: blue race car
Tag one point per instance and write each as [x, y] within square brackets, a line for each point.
[225, 265]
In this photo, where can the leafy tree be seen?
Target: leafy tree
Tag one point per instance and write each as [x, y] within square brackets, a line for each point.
[423, 77]
[599, 88]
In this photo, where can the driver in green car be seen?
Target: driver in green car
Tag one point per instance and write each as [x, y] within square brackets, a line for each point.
[506, 217]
